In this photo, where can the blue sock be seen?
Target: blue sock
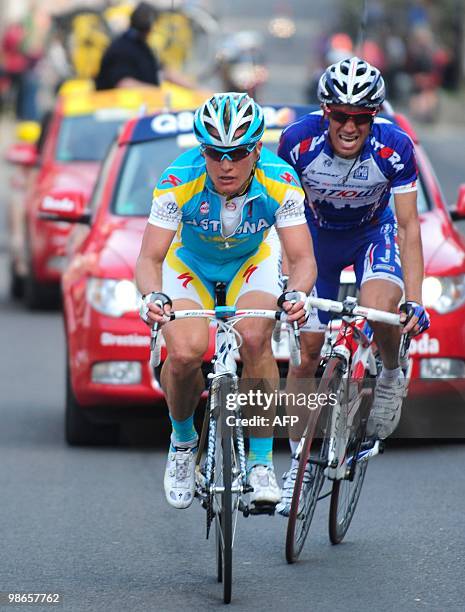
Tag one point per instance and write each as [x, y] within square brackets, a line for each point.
[183, 431]
[260, 451]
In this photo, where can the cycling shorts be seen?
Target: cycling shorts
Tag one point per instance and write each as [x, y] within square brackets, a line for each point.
[372, 250]
[183, 276]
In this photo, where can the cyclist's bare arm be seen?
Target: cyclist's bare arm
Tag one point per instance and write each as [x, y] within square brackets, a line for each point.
[411, 252]
[155, 245]
[297, 245]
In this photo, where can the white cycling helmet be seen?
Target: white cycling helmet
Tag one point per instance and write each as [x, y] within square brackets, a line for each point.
[229, 120]
[352, 81]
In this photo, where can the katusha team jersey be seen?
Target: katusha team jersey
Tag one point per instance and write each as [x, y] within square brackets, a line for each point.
[348, 193]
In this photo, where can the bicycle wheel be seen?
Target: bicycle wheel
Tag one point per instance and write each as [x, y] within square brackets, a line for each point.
[226, 502]
[300, 518]
[346, 492]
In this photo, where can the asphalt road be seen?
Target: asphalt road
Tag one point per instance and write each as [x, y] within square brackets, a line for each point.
[92, 524]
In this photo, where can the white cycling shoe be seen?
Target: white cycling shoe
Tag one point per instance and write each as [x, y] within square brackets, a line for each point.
[284, 507]
[386, 410]
[265, 486]
[179, 481]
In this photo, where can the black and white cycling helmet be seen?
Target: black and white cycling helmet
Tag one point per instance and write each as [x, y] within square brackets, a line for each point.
[352, 81]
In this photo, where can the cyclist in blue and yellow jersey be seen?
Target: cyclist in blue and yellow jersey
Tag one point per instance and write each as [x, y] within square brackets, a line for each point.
[212, 220]
[350, 162]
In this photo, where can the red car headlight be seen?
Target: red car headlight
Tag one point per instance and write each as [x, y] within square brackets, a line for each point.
[112, 297]
[444, 293]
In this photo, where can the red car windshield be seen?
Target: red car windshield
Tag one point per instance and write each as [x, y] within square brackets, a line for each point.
[143, 165]
[85, 138]
[145, 162]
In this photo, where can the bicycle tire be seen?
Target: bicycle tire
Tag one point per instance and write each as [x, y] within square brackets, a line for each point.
[299, 522]
[224, 528]
[346, 492]
[219, 556]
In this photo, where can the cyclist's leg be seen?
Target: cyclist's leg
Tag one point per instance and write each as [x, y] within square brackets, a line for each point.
[181, 377]
[379, 276]
[186, 340]
[257, 285]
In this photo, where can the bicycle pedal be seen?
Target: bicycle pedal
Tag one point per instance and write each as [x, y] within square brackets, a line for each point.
[244, 508]
[262, 508]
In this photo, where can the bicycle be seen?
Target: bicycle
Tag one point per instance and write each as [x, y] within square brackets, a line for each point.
[350, 370]
[221, 471]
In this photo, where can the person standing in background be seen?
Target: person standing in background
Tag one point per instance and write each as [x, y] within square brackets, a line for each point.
[129, 61]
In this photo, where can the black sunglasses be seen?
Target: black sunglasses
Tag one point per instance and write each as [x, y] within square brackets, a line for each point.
[233, 154]
[357, 118]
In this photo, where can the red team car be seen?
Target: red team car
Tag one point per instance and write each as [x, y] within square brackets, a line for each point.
[108, 345]
[74, 140]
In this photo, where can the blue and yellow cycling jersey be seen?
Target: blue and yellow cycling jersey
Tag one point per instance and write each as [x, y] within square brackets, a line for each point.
[185, 201]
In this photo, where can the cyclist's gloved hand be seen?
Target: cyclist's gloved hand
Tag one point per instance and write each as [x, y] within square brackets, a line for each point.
[154, 308]
[415, 318]
[293, 303]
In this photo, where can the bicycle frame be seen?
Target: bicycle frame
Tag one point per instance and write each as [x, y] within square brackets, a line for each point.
[222, 482]
[224, 364]
[354, 346]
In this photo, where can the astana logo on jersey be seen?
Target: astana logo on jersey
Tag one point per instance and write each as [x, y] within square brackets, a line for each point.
[214, 225]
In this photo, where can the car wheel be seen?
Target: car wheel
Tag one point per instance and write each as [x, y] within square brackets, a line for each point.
[37, 295]
[16, 284]
[79, 429]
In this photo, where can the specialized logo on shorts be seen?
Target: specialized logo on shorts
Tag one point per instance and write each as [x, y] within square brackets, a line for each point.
[383, 267]
[287, 176]
[204, 208]
[172, 180]
[361, 173]
[248, 273]
[186, 277]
